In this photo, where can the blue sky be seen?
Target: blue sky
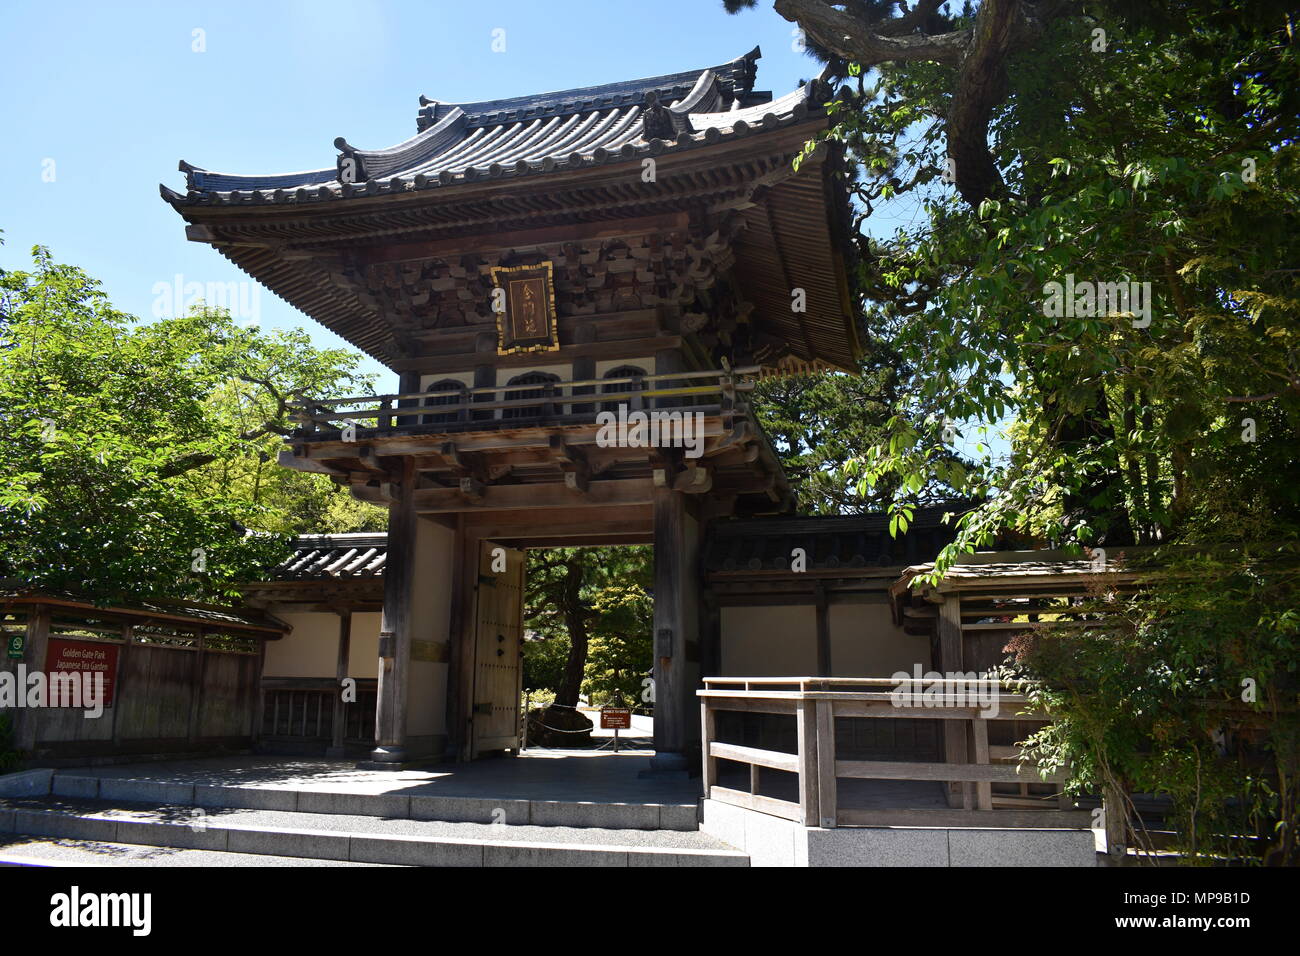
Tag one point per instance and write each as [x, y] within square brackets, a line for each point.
[114, 94]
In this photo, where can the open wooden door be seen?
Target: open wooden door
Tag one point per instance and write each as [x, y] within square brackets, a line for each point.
[498, 665]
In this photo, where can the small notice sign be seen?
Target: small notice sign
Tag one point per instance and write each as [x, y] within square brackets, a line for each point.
[84, 657]
[16, 645]
[615, 718]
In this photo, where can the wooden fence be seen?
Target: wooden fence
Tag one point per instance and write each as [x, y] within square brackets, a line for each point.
[174, 688]
[818, 772]
[710, 391]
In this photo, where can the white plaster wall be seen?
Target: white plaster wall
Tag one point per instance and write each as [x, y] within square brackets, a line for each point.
[310, 650]
[865, 642]
[363, 645]
[465, 377]
[645, 362]
[426, 711]
[778, 641]
[563, 370]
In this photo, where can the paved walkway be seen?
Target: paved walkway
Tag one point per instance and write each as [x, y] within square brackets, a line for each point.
[571, 775]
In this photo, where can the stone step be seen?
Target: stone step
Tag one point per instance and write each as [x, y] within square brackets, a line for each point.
[44, 852]
[451, 809]
[359, 838]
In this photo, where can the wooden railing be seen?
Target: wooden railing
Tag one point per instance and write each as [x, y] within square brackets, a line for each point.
[816, 703]
[495, 406]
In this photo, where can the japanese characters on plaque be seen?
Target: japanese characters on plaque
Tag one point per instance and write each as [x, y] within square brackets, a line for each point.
[524, 304]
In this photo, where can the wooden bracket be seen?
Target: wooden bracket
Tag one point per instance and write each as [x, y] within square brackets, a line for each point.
[473, 489]
[695, 480]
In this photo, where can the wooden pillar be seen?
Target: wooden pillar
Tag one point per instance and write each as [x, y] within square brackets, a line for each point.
[823, 631]
[408, 383]
[462, 633]
[954, 731]
[336, 748]
[667, 361]
[485, 376]
[584, 369]
[38, 642]
[676, 622]
[395, 626]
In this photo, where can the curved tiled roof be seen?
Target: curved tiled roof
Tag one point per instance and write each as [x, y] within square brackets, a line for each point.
[320, 556]
[507, 138]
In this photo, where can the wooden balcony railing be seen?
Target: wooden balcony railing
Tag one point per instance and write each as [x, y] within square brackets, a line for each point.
[527, 403]
[820, 787]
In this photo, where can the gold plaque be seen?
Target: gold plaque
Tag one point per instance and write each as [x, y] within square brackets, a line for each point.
[523, 299]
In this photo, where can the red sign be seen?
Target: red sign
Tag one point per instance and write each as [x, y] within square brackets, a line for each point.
[82, 657]
[615, 718]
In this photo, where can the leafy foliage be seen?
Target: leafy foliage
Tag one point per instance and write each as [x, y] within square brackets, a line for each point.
[140, 454]
[588, 615]
[1153, 144]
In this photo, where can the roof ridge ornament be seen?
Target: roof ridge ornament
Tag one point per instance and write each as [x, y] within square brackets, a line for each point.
[656, 119]
[351, 167]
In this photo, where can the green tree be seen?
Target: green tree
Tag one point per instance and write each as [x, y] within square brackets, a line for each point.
[135, 455]
[620, 654]
[576, 595]
[1035, 146]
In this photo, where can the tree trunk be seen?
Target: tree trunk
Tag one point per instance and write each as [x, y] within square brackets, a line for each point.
[575, 620]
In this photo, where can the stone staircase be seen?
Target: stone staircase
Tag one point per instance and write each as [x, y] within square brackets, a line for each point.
[84, 815]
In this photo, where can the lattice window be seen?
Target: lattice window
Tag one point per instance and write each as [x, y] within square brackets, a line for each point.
[622, 371]
[457, 400]
[546, 389]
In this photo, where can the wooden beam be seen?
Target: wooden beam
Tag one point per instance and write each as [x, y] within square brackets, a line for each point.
[578, 520]
[477, 497]
[525, 238]
[288, 459]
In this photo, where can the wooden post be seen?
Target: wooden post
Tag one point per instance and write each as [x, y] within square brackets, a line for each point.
[123, 658]
[827, 787]
[708, 733]
[196, 689]
[954, 731]
[980, 740]
[257, 730]
[1116, 820]
[675, 623]
[806, 720]
[823, 632]
[463, 624]
[408, 383]
[38, 642]
[395, 626]
[336, 748]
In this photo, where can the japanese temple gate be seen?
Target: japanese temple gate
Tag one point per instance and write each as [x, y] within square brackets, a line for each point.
[533, 268]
